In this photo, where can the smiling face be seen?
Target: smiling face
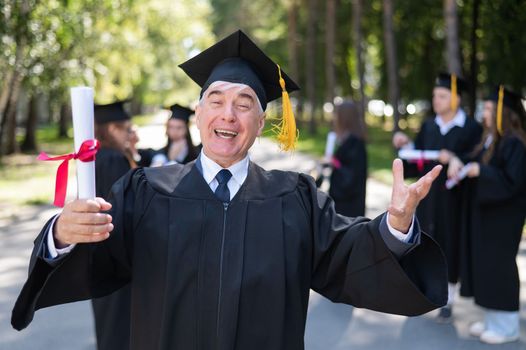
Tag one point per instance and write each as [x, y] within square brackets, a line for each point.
[229, 119]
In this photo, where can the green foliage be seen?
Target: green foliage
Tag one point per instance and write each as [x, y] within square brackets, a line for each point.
[121, 48]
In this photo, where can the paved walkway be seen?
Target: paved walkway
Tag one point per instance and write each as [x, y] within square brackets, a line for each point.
[329, 326]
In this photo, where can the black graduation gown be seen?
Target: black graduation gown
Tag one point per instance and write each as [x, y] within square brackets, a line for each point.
[347, 185]
[438, 212]
[111, 313]
[192, 154]
[205, 277]
[146, 155]
[494, 211]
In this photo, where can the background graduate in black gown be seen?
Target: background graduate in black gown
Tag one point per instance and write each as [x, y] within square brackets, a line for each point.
[494, 213]
[452, 132]
[349, 163]
[180, 147]
[141, 156]
[113, 160]
[222, 254]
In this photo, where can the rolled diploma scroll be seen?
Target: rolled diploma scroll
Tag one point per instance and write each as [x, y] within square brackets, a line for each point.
[82, 110]
[415, 154]
[450, 183]
[329, 146]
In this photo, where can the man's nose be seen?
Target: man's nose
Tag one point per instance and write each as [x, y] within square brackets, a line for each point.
[229, 113]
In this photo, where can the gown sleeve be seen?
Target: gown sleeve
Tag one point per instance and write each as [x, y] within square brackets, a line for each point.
[504, 180]
[352, 264]
[89, 270]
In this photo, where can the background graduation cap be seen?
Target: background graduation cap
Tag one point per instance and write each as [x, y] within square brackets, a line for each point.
[112, 112]
[454, 83]
[504, 97]
[180, 112]
[237, 59]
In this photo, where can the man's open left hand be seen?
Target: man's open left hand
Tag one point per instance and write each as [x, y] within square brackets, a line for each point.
[405, 198]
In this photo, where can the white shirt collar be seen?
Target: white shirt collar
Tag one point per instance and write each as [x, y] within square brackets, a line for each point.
[459, 120]
[239, 170]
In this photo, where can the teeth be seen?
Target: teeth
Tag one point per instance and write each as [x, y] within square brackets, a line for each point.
[225, 133]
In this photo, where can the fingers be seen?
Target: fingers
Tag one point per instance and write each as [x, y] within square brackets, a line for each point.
[89, 218]
[444, 156]
[433, 174]
[398, 173]
[82, 222]
[104, 206]
[421, 188]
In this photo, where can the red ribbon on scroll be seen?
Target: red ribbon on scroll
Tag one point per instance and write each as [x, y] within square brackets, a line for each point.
[86, 153]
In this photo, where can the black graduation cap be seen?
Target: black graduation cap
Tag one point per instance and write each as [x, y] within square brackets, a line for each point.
[237, 59]
[112, 112]
[510, 99]
[449, 81]
[180, 112]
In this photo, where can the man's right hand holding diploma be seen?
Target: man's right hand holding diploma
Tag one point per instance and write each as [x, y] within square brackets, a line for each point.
[82, 221]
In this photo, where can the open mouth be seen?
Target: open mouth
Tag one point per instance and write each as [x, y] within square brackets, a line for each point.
[225, 134]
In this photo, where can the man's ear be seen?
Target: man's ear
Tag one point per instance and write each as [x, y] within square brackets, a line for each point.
[197, 113]
[261, 122]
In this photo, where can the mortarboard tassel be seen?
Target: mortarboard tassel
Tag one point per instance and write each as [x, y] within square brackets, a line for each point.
[286, 129]
[454, 99]
[499, 109]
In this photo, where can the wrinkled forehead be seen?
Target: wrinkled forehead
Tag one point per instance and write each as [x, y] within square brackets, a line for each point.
[237, 88]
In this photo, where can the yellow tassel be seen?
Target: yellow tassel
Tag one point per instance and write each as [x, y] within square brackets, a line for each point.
[286, 129]
[499, 109]
[454, 99]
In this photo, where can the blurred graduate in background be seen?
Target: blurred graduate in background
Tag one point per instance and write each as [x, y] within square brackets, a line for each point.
[494, 213]
[180, 147]
[450, 132]
[349, 162]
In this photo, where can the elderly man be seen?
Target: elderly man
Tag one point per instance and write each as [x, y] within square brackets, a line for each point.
[221, 254]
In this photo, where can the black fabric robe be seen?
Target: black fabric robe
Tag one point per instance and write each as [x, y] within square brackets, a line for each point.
[146, 155]
[494, 213]
[438, 213]
[205, 277]
[111, 313]
[193, 152]
[347, 184]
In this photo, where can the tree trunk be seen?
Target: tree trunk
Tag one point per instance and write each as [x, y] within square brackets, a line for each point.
[64, 118]
[292, 45]
[357, 30]
[8, 108]
[8, 137]
[392, 65]
[473, 62]
[30, 140]
[292, 18]
[330, 41]
[310, 74]
[452, 46]
[135, 107]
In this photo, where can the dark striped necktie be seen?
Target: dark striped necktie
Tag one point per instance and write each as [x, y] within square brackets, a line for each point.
[222, 192]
